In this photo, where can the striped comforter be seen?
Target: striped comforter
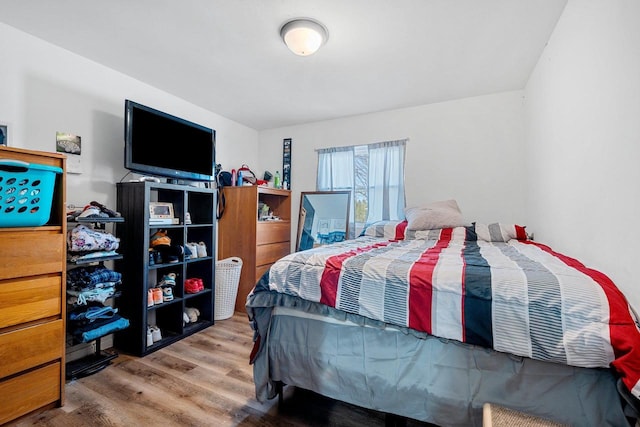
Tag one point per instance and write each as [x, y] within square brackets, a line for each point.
[518, 297]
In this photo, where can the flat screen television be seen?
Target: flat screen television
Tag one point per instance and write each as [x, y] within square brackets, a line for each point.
[159, 144]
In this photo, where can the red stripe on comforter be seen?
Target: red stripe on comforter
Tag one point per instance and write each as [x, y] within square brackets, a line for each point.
[624, 334]
[421, 284]
[331, 273]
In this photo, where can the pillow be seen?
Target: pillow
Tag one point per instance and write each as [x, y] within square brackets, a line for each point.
[497, 232]
[443, 214]
[386, 229]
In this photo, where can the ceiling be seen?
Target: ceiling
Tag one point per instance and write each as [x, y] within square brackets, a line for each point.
[227, 56]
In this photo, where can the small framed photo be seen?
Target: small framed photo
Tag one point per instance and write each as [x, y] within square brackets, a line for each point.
[160, 210]
[4, 134]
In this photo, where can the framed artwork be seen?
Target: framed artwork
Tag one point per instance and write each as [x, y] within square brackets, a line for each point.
[286, 164]
[160, 210]
[71, 145]
[4, 135]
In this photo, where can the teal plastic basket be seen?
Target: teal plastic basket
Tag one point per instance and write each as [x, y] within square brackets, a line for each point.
[26, 193]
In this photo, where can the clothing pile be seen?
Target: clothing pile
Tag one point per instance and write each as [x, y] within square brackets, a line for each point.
[93, 321]
[88, 288]
[85, 243]
[94, 283]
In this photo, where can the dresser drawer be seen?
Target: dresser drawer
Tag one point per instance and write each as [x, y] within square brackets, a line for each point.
[268, 254]
[25, 393]
[21, 349]
[273, 232]
[31, 252]
[33, 298]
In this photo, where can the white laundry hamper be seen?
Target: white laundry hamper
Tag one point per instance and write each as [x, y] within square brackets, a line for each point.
[227, 279]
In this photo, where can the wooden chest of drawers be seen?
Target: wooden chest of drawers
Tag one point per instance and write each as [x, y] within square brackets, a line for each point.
[258, 243]
[32, 309]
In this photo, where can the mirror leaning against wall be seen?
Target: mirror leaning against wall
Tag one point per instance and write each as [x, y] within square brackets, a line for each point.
[324, 218]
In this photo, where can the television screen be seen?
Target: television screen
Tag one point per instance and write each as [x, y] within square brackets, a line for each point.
[159, 144]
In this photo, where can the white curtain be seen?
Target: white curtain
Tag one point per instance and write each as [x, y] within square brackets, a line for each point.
[335, 169]
[336, 172]
[386, 181]
[383, 172]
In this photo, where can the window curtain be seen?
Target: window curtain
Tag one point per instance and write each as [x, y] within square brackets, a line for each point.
[386, 181]
[384, 172]
[336, 173]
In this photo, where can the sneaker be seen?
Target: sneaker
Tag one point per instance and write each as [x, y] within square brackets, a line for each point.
[150, 300]
[167, 294]
[202, 250]
[159, 239]
[187, 252]
[193, 285]
[149, 337]
[156, 334]
[168, 280]
[157, 296]
[193, 247]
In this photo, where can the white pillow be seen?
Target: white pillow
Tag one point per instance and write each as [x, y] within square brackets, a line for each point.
[499, 232]
[443, 214]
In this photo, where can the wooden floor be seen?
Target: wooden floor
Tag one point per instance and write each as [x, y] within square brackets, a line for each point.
[202, 380]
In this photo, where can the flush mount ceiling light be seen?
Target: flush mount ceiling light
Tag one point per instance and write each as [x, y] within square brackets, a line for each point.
[304, 36]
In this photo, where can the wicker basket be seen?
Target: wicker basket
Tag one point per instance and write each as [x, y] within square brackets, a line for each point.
[227, 279]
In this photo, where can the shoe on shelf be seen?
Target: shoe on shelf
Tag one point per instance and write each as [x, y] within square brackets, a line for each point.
[187, 252]
[193, 285]
[156, 334]
[167, 294]
[168, 280]
[193, 247]
[157, 296]
[202, 250]
[160, 239]
[150, 299]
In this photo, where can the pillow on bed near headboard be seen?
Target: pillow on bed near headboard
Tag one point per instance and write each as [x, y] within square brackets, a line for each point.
[386, 229]
[443, 214]
[498, 232]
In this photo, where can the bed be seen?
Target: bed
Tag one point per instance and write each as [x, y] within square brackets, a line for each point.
[432, 324]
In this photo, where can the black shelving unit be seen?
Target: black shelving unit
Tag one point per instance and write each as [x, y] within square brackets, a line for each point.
[133, 202]
[100, 358]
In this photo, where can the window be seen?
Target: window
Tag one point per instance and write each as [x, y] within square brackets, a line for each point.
[373, 173]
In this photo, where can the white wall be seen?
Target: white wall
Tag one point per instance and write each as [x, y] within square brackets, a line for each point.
[470, 150]
[44, 89]
[582, 121]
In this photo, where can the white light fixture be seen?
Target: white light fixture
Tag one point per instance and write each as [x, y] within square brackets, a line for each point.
[304, 36]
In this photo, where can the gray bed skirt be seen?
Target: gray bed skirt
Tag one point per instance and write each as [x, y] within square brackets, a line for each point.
[416, 375]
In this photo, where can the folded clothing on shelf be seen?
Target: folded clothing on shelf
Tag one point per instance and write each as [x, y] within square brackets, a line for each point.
[90, 276]
[85, 239]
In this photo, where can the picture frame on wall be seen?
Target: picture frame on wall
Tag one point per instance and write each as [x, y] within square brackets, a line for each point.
[4, 135]
[286, 163]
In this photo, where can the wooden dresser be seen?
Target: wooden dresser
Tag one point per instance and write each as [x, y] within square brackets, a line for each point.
[258, 243]
[32, 309]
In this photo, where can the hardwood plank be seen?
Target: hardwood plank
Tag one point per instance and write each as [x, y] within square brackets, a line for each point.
[202, 380]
